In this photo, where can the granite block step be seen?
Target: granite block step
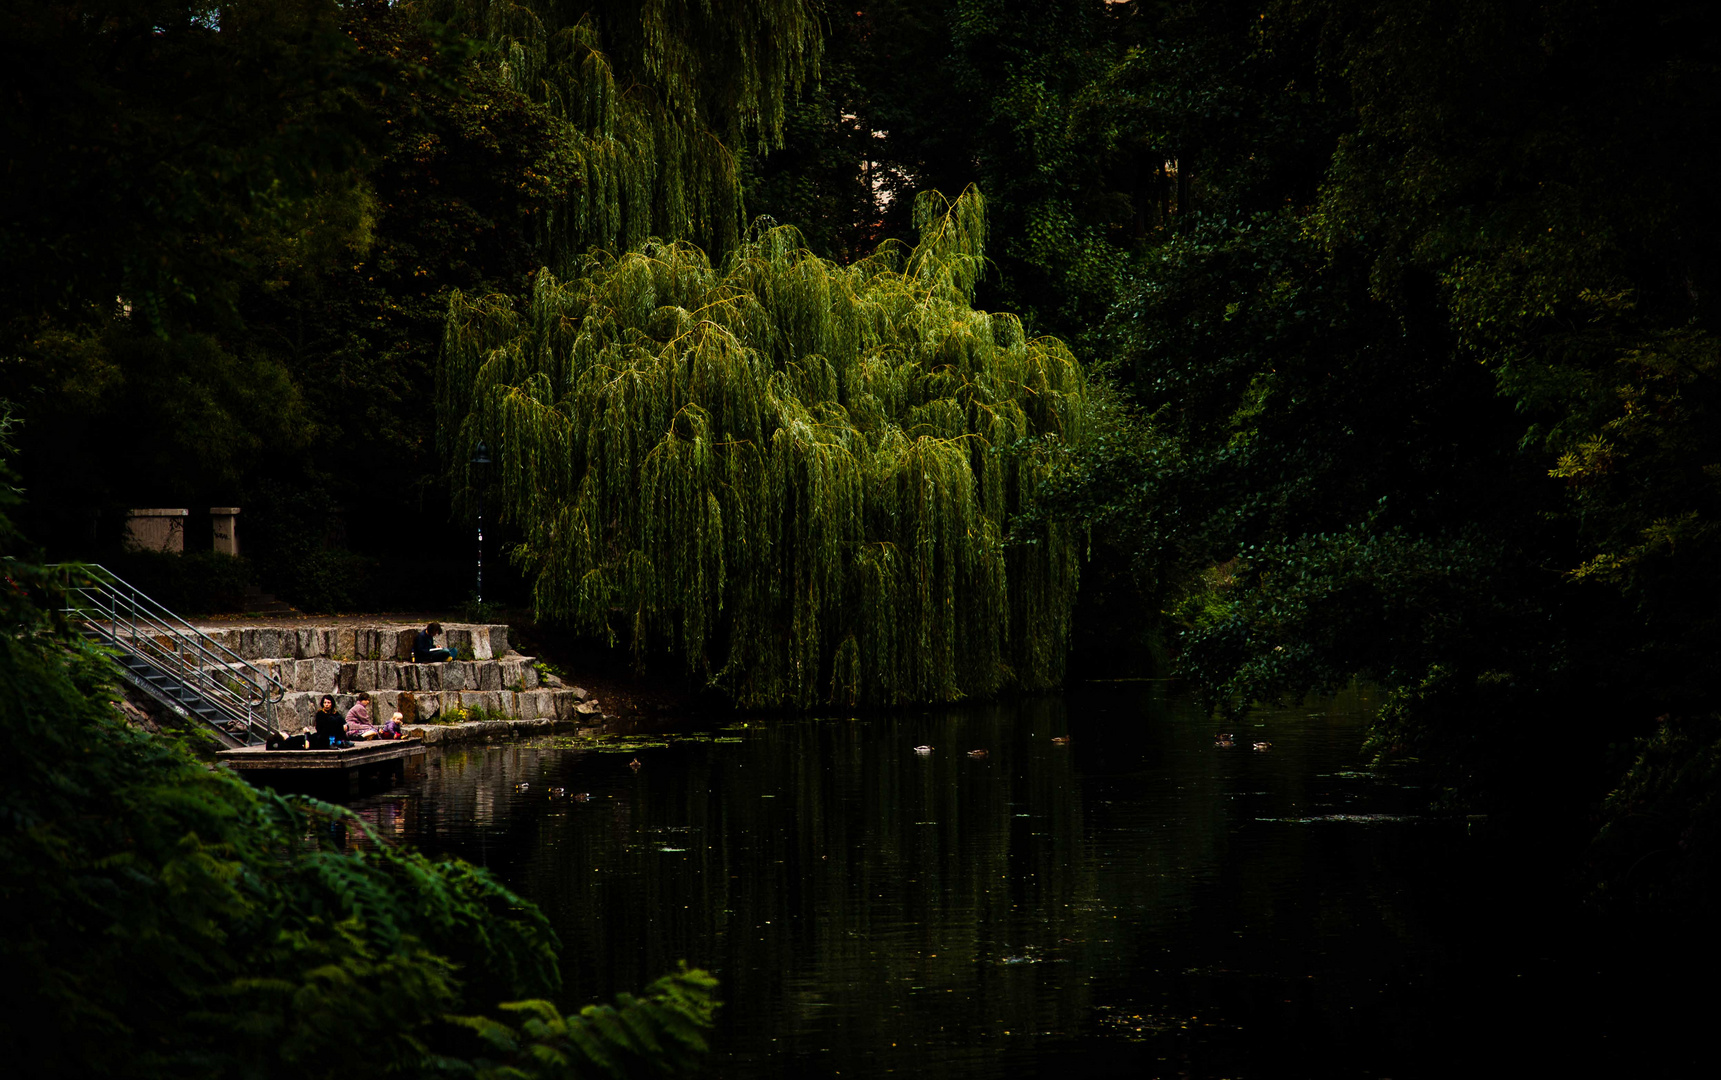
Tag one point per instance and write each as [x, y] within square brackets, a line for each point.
[488, 641]
[515, 673]
[299, 708]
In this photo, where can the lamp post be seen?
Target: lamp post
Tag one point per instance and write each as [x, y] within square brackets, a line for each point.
[480, 462]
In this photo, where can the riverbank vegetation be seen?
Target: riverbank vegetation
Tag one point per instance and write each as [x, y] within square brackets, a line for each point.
[1388, 331]
[167, 919]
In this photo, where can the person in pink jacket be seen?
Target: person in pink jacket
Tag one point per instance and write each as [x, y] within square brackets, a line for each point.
[358, 720]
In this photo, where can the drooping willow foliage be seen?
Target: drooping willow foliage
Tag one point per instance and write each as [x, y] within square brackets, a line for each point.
[797, 476]
[658, 94]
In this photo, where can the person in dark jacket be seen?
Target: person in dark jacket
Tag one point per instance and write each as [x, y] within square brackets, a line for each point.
[424, 649]
[331, 726]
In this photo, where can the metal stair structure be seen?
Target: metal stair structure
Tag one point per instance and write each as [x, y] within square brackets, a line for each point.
[175, 663]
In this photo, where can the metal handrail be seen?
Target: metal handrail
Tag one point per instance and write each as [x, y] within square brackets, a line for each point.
[128, 619]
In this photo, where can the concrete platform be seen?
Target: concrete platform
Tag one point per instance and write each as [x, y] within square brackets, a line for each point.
[358, 756]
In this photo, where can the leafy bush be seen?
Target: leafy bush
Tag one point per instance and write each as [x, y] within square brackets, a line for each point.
[189, 583]
[1659, 847]
[165, 919]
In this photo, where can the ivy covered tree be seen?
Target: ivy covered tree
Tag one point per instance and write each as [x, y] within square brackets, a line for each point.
[800, 478]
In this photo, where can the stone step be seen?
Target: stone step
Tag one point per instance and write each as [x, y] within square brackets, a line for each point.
[298, 709]
[488, 641]
[516, 673]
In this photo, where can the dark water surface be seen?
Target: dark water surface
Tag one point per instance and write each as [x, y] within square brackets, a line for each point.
[1138, 902]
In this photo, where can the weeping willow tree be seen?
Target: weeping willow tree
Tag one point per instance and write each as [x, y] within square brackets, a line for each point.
[657, 92]
[796, 476]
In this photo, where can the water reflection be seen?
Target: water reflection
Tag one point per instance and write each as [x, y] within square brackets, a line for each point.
[1138, 900]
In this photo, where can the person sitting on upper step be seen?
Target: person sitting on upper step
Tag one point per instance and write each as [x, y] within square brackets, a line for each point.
[330, 726]
[358, 724]
[424, 649]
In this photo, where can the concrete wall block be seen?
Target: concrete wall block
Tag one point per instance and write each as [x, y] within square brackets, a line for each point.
[403, 644]
[457, 637]
[519, 673]
[325, 675]
[479, 699]
[498, 635]
[270, 644]
[383, 703]
[536, 703]
[284, 672]
[489, 675]
[565, 704]
[345, 643]
[348, 677]
[458, 675]
[294, 712]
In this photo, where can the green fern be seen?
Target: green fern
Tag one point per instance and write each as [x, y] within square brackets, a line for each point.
[661, 1034]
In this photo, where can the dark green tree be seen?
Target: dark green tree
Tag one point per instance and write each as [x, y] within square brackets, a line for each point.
[1427, 370]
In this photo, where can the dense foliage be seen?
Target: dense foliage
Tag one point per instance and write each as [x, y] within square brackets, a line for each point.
[1403, 316]
[1429, 373]
[799, 477]
[235, 231]
[165, 919]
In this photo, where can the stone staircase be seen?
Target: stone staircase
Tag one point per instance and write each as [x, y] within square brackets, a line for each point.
[311, 661]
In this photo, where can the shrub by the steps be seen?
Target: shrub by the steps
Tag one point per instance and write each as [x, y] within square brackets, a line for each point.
[162, 919]
[188, 583]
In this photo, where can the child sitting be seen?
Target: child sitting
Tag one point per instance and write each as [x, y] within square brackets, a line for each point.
[391, 730]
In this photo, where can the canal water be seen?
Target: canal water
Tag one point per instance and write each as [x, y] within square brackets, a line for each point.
[1138, 901]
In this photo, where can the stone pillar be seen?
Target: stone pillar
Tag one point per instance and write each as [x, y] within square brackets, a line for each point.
[226, 529]
[156, 530]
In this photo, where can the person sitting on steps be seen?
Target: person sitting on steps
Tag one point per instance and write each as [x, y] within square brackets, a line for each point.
[330, 727]
[358, 725]
[424, 649]
[391, 730]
